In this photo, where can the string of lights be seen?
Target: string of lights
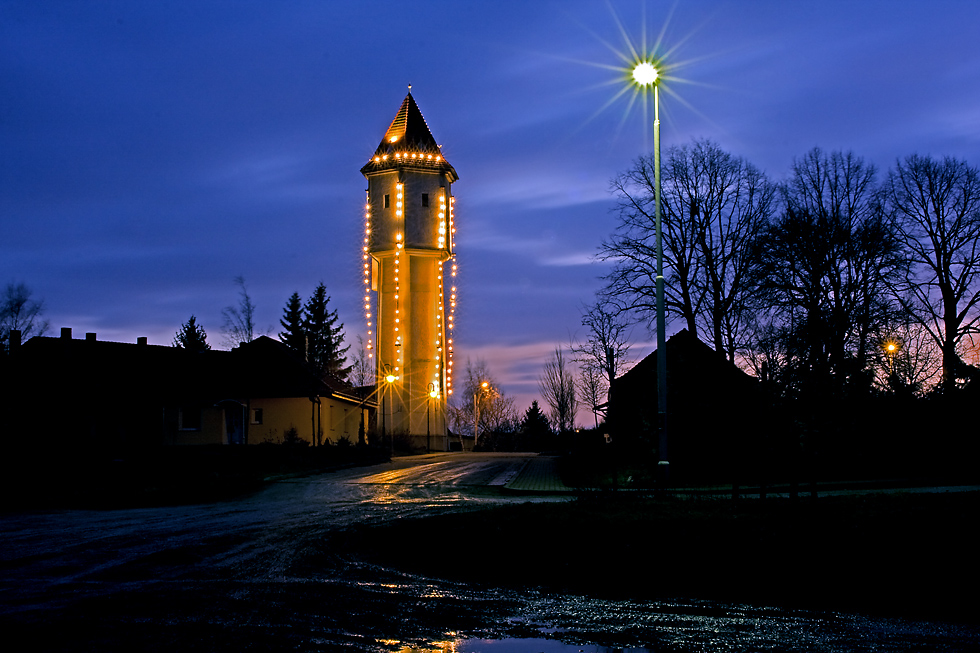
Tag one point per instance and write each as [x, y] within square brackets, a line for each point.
[450, 320]
[366, 262]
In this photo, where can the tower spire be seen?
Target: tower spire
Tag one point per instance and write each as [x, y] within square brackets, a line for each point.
[408, 142]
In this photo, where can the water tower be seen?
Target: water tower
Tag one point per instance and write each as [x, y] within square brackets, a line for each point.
[409, 279]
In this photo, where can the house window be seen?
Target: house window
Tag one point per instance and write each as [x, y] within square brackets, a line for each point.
[425, 199]
[387, 201]
[256, 416]
[189, 418]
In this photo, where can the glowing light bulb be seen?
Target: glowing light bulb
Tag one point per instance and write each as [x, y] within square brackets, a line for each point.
[645, 74]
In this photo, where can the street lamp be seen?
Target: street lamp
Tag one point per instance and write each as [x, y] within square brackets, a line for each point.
[389, 378]
[476, 411]
[428, 432]
[890, 349]
[647, 74]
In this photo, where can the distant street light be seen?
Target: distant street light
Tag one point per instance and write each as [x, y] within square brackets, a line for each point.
[647, 75]
[389, 378]
[428, 432]
[890, 350]
[476, 411]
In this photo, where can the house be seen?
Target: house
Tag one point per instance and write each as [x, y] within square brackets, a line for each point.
[713, 410]
[89, 394]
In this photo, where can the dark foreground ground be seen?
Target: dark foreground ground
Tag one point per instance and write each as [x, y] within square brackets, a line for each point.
[899, 555]
[430, 554]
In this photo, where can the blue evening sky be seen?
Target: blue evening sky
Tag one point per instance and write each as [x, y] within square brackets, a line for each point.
[150, 152]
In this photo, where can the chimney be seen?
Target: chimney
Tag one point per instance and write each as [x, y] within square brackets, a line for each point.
[141, 340]
[13, 340]
[66, 333]
[90, 337]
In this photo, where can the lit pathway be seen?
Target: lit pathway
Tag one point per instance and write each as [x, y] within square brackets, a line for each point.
[539, 475]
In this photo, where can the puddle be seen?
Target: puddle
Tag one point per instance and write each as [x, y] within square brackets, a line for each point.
[514, 645]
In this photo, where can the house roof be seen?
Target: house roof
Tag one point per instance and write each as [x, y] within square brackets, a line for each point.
[408, 143]
[268, 365]
[261, 368]
[690, 363]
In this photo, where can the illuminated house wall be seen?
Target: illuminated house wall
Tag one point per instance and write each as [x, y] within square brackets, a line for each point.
[409, 271]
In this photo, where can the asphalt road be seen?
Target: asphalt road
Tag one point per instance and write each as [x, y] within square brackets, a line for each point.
[155, 578]
[269, 572]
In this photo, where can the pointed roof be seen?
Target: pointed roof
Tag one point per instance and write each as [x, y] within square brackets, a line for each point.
[408, 143]
[409, 127]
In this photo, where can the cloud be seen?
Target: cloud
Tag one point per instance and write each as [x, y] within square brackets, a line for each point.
[571, 259]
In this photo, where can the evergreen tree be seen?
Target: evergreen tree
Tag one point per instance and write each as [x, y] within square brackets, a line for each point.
[325, 335]
[192, 336]
[294, 335]
[536, 430]
[534, 420]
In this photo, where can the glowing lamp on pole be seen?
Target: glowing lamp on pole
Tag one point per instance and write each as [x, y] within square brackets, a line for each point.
[647, 75]
[428, 431]
[476, 410]
[890, 349]
[389, 378]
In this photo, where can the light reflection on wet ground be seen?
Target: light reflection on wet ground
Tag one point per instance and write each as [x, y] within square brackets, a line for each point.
[258, 568]
[568, 624]
[536, 645]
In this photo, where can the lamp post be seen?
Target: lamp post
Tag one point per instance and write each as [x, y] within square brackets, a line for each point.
[646, 74]
[476, 411]
[428, 404]
[389, 378]
[890, 349]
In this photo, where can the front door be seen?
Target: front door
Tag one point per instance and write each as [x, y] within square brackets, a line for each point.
[235, 424]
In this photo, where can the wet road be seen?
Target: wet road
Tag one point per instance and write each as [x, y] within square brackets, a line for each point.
[264, 573]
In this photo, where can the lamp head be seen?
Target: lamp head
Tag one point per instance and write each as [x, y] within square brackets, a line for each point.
[645, 74]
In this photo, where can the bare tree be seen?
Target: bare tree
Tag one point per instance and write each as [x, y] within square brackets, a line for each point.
[19, 312]
[715, 206]
[767, 354]
[936, 206]
[632, 248]
[603, 355]
[861, 251]
[907, 357]
[592, 388]
[362, 371]
[239, 321]
[607, 344]
[734, 203]
[496, 411]
[970, 350]
[557, 385]
[826, 266]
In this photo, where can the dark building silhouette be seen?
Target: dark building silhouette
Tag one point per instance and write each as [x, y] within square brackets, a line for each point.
[715, 420]
[89, 395]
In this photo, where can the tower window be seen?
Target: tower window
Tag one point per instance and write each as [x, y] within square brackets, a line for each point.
[425, 199]
[387, 201]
